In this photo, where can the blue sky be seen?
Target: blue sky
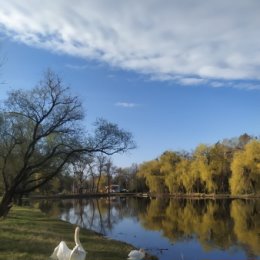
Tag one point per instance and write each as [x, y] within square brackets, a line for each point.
[174, 73]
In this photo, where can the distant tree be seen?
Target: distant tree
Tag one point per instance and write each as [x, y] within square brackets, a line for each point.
[126, 177]
[66, 182]
[109, 171]
[138, 184]
[41, 133]
[244, 139]
[186, 181]
[80, 171]
[219, 166]
[201, 168]
[52, 186]
[238, 142]
[155, 179]
[246, 170]
[211, 166]
[101, 161]
[168, 168]
[122, 177]
[91, 173]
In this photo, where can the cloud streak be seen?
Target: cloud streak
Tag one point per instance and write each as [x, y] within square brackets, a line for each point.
[126, 104]
[190, 42]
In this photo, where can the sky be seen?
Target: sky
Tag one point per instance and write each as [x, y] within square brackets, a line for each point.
[174, 73]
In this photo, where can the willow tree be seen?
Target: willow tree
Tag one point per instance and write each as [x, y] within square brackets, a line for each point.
[41, 132]
[154, 178]
[168, 161]
[185, 175]
[200, 167]
[245, 168]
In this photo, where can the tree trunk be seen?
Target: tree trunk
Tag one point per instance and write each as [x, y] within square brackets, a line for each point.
[93, 184]
[6, 203]
[97, 188]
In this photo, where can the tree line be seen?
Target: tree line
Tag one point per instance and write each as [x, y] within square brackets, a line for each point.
[231, 166]
[92, 174]
[228, 167]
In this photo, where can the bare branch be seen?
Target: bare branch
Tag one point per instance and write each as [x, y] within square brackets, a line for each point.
[42, 129]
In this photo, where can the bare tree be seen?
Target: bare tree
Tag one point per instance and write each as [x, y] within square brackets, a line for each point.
[81, 169]
[90, 169]
[41, 133]
[101, 161]
[109, 170]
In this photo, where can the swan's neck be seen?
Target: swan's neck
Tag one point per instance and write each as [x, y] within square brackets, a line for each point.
[76, 237]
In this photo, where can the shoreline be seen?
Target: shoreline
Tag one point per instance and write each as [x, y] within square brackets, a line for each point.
[147, 195]
[29, 234]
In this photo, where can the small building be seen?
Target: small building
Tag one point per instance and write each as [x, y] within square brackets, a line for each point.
[112, 188]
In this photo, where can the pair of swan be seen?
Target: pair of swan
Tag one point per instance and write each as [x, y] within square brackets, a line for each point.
[62, 252]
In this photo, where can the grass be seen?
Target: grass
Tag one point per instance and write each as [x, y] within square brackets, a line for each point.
[28, 234]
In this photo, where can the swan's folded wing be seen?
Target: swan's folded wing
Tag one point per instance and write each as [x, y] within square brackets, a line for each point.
[61, 252]
[78, 253]
[136, 255]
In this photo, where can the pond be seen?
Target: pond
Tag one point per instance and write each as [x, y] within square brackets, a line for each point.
[171, 229]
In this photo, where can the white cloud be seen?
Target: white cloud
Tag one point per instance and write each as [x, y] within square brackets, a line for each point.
[194, 41]
[126, 104]
[191, 81]
[236, 84]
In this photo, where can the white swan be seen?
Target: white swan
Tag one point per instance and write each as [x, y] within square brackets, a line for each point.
[136, 254]
[62, 252]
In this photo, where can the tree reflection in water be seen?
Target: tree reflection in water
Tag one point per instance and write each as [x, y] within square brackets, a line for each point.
[216, 224]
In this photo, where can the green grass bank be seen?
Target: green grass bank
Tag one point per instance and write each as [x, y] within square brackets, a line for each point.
[28, 234]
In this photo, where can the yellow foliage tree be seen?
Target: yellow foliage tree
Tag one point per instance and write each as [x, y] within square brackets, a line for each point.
[246, 170]
[168, 166]
[154, 178]
[201, 161]
[185, 180]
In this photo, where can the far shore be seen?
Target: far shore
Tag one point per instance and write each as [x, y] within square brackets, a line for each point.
[147, 195]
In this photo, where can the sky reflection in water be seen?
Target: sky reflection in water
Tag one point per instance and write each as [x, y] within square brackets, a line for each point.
[171, 229]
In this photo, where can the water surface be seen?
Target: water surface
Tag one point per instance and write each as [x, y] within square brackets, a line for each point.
[169, 228]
